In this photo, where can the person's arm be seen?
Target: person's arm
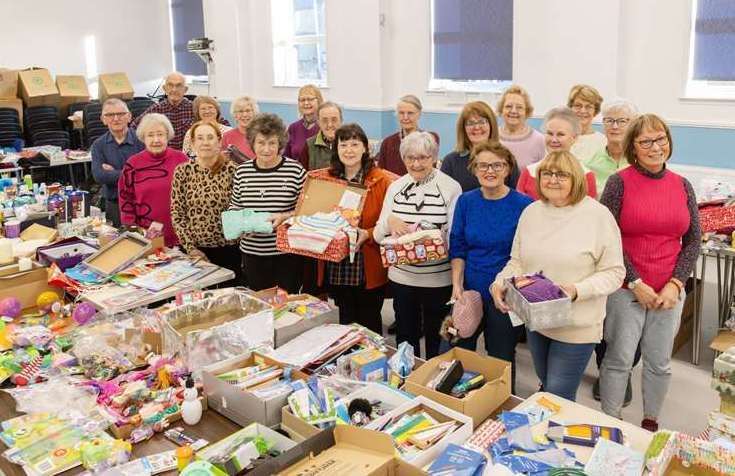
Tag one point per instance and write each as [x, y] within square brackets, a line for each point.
[100, 174]
[458, 248]
[455, 190]
[609, 269]
[180, 218]
[690, 241]
[238, 192]
[591, 184]
[126, 195]
[612, 198]
[381, 229]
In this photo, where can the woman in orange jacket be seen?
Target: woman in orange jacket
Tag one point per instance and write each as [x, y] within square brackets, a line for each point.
[358, 287]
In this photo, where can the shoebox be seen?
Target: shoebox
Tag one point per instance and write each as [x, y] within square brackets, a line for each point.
[26, 286]
[242, 406]
[478, 404]
[37, 88]
[723, 373]
[438, 412]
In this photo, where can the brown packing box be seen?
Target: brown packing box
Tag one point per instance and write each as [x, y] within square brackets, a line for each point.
[38, 232]
[8, 83]
[25, 285]
[37, 88]
[115, 85]
[72, 89]
[478, 404]
[14, 103]
[295, 426]
[321, 195]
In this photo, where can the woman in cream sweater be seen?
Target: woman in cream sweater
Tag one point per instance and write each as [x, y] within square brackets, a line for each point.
[576, 243]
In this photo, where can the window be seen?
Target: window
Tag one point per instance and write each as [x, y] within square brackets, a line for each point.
[187, 22]
[299, 42]
[712, 50]
[472, 44]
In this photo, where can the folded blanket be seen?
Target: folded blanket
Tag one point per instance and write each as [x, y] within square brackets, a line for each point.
[238, 222]
[315, 232]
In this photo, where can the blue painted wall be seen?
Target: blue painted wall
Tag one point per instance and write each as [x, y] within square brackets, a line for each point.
[700, 146]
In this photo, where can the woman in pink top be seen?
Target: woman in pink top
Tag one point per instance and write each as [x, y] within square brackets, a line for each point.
[561, 129]
[144, 186]
[243, 109]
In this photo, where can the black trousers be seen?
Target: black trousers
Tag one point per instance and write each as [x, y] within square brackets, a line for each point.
[112, 212]
[262, 272]
[415, 304]
[227, 257]
[360, 305]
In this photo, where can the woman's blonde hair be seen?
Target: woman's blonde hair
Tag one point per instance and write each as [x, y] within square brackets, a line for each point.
[477, 108]
[313, 89]
[587, 93]
[199, 100]
[564, 161]
[516, 89]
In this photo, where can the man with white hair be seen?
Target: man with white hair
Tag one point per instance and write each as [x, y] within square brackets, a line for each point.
[175, 106]
[110, 152]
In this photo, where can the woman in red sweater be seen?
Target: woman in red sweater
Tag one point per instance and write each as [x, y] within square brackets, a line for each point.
[656, 210]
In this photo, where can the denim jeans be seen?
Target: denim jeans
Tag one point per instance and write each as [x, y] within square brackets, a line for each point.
[559, 365]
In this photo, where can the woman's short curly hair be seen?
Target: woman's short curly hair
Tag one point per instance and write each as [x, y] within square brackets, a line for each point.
[268, 125]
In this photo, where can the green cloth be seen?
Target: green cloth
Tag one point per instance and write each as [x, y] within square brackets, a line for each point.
[604, 166]
[238, 222]
[320, 153]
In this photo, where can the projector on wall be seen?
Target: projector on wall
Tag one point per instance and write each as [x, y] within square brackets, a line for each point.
[202, 47]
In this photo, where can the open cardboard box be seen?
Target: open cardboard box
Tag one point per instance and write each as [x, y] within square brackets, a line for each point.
[478, 404]
[25, 285]
[242, 406]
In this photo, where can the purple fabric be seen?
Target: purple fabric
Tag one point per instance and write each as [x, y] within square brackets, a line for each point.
[540, 290]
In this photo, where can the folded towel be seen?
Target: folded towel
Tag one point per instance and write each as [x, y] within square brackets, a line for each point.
[238, 222]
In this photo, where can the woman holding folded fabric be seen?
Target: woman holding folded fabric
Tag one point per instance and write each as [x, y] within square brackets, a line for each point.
[659, 221]
[269, 184]
[425, 196]
[199, 194]
[575, 242]
[484, 224]
[358, 286]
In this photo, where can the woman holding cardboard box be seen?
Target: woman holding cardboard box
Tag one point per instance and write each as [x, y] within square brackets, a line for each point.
[575, 242]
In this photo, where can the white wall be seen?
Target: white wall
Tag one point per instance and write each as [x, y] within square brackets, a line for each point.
[131, 36]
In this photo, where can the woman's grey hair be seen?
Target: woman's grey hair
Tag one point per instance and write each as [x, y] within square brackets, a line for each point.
[244, 100]
[565, 114]
[154, 119]
[419, 143]
[267, 125]
[412, 100]
[115, 102]
[620, 105]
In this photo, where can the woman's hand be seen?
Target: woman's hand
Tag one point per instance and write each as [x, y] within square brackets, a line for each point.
[362, 237]
[397, 226]
[570, 289]
[196, 253]
[457, 290]
[669, 296]
[646, 296]
[498, 293]
[278, 218]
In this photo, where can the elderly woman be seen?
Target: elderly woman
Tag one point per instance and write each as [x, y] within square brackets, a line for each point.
[144, 186]
[575, 241]
[199, 194]
[426, 196]
[270, 183]
[475, 125]
[318, 151]
[205, 109]
[561, 129]
[484, 224]
[358, 286]
[657, 213]
[408, 112]
[310, 98]
[525, 142]
[243, 109]
[585, 101]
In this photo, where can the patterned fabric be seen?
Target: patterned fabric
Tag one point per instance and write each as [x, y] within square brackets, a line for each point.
[181, 116]
[198, 197]
[315, 232]
[350, 271]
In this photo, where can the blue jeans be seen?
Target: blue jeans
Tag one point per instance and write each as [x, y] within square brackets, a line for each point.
[559, 365]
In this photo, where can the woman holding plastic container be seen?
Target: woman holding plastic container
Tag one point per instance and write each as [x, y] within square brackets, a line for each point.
[659, 221]
[575, 242]
[423, 197]
[484, 224]
[358, 286]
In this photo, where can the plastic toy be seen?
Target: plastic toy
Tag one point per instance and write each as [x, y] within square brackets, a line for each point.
[47, 299]
[83, 313]
[10, 307]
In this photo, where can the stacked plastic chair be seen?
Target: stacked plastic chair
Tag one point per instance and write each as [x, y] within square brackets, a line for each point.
[138, 105]
[93, 126]
[10, 128]
[43, 127]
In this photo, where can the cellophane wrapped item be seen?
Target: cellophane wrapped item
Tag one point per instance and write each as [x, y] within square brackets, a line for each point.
[218, 328]
[723, 373]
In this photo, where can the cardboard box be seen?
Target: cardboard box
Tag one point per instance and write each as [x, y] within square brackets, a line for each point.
[478, 404]
[37, 88]
[115, 85]
[14, 103]
[242, 406]
[39, 232]
[25, 285]
[72, 89]
[441, 414]
[8, 83]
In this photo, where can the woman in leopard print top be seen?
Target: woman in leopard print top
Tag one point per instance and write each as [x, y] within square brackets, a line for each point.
[199, 194]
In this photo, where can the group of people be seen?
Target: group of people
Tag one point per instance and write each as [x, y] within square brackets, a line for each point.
[599, 214]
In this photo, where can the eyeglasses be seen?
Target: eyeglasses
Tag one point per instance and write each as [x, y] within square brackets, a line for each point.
[583, 107]
[238, 112]
[560, 176]
[621, 122]
[417, 158]
[480, 122]
[648, 143]
[496, 166]
[115, 115]
[175, 85]
[307, 99]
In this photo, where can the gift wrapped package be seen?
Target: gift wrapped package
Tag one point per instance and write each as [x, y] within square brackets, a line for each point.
[672, 451]
[539, 314]
[723, 373]
[217, 328]
[717, 219]
[419, 247]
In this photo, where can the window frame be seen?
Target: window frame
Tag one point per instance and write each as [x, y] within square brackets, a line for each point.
[190, 78]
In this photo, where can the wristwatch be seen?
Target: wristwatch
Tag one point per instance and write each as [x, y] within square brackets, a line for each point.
[633, 284]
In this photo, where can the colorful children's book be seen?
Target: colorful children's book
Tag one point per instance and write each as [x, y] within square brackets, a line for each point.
[165, 276]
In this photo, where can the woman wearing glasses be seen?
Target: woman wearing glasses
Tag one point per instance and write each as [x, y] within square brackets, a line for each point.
[585, 101]
[483, 227]
[575, 242]
[424, 196]
[657, 213]
[525, 142]
[306, 127]
[243, 109]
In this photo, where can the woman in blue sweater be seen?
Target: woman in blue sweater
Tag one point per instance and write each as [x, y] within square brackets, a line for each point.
[485, 221]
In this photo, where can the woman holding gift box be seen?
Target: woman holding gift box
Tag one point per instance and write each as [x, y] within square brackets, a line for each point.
[575, 242]
[659, 221]
[424, 196]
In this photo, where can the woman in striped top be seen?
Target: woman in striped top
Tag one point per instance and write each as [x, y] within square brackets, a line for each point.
[424, 194]
[271, 183]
